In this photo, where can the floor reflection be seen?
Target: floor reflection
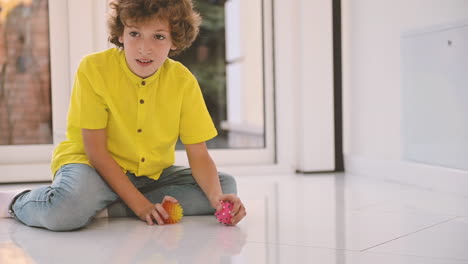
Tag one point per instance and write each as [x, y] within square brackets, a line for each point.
[11, 253]
[124, 241]
[329, 219]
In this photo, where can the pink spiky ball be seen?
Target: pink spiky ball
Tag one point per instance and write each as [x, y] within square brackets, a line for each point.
[224, 215]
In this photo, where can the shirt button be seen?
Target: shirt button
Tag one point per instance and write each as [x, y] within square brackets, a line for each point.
[142, 159]
[142, 101]
[139, 130]
[143, 82]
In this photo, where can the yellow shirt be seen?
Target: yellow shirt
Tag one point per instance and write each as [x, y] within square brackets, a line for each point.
[143, 117]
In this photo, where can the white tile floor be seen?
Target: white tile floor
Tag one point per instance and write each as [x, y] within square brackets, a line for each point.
[333, 218]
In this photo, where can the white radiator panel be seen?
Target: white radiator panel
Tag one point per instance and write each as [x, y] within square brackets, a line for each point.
[435, 96]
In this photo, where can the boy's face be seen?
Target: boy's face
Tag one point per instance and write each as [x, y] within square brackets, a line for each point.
[146, 46]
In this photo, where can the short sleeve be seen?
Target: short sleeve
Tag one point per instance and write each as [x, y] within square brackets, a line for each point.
[87, 107]
[196, 124]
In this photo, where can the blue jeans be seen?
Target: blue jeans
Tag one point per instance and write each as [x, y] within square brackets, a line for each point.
[78, 192]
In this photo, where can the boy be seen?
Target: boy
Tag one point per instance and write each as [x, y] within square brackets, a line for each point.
[129, 106]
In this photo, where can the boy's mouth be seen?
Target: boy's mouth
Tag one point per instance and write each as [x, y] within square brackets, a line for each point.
[144, 62]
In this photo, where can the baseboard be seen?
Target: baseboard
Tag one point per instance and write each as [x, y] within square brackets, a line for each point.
[40, 172]
[35, 172]
[410, 173]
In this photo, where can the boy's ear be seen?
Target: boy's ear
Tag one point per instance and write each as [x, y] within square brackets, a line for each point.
[121, 39]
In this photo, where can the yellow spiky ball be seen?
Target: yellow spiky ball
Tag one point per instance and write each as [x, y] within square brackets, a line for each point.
[174, 210]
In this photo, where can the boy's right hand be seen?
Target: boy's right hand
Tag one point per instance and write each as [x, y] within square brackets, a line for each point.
[151, 213]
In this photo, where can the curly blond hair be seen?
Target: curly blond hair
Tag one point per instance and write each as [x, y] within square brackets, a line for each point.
[183, 20]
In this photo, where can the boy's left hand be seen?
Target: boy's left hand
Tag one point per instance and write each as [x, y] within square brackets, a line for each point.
[238, 212]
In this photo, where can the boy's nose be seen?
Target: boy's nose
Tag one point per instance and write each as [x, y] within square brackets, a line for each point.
[144, 47]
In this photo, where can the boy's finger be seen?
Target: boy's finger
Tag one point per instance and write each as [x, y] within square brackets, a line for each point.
[161, 211]
[236, 207]
[148, 220]
[157, 217]
[170, 199]
[239, 216]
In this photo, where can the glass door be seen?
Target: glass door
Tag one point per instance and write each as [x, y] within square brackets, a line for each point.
[233, 61]
[25, 90]
[33, 43]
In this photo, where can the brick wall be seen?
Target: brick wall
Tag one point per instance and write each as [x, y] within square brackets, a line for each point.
[25, 104]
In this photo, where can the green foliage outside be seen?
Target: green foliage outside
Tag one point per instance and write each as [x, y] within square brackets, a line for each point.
[206, 58]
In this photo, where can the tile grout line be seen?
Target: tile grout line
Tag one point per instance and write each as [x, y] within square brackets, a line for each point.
[305, 246]
[436, 224]
[419, 256]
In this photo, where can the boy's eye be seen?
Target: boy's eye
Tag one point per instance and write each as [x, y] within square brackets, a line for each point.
[159, 37]
[133, 34]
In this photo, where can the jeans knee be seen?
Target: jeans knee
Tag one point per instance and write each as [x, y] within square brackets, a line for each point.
[65, 213]
[59, 221]
[228, 183]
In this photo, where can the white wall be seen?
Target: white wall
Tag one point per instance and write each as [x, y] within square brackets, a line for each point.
[371, 68]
